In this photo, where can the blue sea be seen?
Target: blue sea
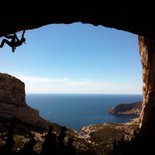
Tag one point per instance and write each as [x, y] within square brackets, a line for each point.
[77, 110]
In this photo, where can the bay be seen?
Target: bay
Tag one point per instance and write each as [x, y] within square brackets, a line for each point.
[77, 110]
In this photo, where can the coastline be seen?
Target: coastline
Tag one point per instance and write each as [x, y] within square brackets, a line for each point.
[133, 108]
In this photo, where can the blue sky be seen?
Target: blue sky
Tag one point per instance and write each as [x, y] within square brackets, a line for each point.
[76, 58]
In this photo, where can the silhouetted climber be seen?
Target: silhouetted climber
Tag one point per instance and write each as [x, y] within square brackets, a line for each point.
[60, 140]
[49, 146]
[9, 141]
[14, 41]
[70, 149]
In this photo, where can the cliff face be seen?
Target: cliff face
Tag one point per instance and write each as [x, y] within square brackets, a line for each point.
[13, 104]
[147, 53]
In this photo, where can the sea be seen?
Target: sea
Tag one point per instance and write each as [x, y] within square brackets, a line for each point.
[77, 110]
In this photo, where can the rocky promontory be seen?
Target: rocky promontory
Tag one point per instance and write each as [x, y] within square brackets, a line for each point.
[126, 109]
[13, 106]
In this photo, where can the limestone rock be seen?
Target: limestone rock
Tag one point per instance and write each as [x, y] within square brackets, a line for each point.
[13, 104]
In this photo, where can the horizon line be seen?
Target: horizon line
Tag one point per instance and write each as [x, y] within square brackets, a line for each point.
[88, 93]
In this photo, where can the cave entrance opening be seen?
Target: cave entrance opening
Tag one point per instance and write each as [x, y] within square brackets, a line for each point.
[73, 73]
[78, 59]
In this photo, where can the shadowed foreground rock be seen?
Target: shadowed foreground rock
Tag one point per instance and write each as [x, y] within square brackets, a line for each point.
[13, 105]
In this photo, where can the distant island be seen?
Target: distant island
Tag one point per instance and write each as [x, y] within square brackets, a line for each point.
[126, 108]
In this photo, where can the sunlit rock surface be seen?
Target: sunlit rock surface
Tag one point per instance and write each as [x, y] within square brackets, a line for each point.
[13, 104]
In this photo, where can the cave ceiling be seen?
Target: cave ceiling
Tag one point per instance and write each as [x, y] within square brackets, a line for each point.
[126, 17]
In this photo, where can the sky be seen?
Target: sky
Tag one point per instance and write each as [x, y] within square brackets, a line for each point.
[76, 58]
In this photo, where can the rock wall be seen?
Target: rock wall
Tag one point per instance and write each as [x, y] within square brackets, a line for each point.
[147, 52]
[13, 104]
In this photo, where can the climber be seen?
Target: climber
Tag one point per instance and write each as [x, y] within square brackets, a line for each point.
[14, 41]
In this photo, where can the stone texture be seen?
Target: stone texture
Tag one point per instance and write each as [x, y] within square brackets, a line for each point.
[147, 52]
[13, 104]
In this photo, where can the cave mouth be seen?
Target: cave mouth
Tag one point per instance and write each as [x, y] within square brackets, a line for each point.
[82, 58]
[120, 18]
[33, 79]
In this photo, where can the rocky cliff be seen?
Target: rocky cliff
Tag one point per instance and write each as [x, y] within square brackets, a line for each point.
[13, 105]
[127, 109]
